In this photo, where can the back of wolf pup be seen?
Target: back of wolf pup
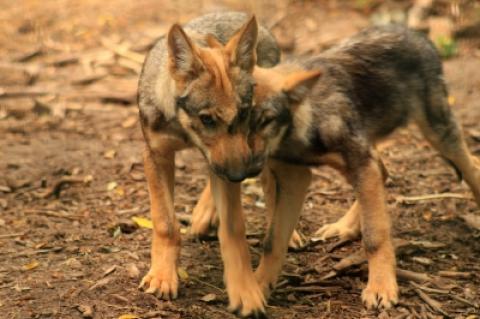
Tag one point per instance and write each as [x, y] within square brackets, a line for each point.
[196, 89]
[332, 109]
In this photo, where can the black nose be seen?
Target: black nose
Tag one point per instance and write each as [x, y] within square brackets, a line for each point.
[235, 177]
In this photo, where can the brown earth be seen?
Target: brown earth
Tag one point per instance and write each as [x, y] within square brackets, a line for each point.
[71, 175]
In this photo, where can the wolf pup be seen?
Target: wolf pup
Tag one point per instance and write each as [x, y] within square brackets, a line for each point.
[331, 110]
[196, 89]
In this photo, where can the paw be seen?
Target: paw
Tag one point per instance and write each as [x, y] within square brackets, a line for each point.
[267, 285]
[296, 241]
[338, 229]
[247, 300]
[163, 284]
[382, 295]
[204, 220]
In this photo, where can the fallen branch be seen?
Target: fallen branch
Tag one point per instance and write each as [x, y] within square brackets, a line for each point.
[454, 274]
[434, 304]
[408, 275]
[308, 289]
[124, 52]
[23, 92]
[407, 199]
[57, 187]
[11, 235]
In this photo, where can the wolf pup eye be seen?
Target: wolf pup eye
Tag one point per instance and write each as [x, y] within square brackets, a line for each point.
[207, 120]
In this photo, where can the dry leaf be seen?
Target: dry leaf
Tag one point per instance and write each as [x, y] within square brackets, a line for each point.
[129, 316]
[110, 154]
[109, 270]
[209, 298]
[143, 222]
[129, 122]
[182, 273]
[32, 265]
[111, 186]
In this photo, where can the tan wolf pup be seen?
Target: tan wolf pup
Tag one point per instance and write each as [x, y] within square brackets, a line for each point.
[196, 89]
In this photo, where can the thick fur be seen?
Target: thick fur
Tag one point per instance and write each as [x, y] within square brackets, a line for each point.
[332, 109]
[196, 89]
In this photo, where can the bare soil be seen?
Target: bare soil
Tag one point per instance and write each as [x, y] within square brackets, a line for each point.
[71, 175]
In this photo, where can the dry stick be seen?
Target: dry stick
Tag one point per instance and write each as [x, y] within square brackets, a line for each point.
[50, 213]
[312, 289]
[405, 199]
[428, 289]
[434, 304]
[465, 301]
[412, 276]
[454, 274]
[12, 235]
[23, 92]
[206, 284]
[124, 52]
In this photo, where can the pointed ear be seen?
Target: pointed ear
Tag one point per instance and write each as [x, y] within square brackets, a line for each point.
[242, 46]
[298, 84]
[183, 60]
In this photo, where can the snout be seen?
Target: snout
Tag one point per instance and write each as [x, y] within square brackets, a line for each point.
[236, 173]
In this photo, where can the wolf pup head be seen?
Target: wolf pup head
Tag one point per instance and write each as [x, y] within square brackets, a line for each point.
[215, 90]
[280, 109]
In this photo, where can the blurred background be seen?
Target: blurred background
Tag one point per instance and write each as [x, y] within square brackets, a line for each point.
[74, 227]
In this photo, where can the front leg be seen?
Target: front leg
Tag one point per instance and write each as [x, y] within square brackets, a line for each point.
[204, 216]
[162, 278]
[205, 219]
[285, 187]
[382, 288]
[243, 291]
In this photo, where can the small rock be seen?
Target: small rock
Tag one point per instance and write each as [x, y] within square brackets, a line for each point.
[86, 311]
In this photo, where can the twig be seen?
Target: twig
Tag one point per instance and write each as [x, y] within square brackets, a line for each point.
[431, 290]
[206, 284]
[434, 304]
[412, 276]
[454, 274]
[50, 213]
[311, 289]
[123, 51]
[465, 301]
[65, 180]
[12, 235]
[23, 92]
[406, 199]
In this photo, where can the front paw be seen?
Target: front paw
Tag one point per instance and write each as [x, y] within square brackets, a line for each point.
[339, 229]
[163, 284]
[381, 294]
[246, 298]
[296, 241]
[204, 220]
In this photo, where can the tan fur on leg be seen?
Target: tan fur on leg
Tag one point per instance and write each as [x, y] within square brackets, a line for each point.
[162, 277]
[285, 187]
[382, 288]
[204, 216]
[243, 290]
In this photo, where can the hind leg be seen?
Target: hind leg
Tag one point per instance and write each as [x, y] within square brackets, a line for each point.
[440, 128]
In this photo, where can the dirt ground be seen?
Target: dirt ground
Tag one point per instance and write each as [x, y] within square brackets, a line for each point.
[71, 175]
